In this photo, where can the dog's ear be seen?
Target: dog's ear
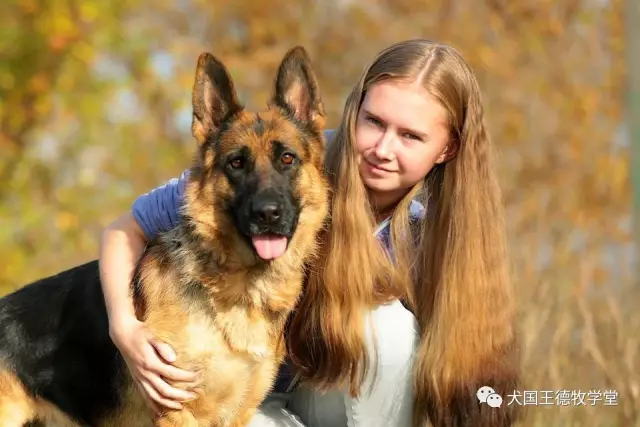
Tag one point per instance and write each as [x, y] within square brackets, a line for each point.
[214, 97]
[296, 88]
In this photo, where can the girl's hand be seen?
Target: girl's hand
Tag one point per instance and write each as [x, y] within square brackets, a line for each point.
[150, 364]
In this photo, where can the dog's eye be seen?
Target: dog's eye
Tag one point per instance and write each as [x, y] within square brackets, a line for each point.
[236, 163]
[287, 158]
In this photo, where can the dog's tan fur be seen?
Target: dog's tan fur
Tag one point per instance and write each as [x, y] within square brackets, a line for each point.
[233, 336]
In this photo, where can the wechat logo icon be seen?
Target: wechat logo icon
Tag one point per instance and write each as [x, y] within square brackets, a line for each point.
[486, 394]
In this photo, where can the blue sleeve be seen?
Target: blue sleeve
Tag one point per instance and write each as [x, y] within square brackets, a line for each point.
[159, 210]
[328, 135]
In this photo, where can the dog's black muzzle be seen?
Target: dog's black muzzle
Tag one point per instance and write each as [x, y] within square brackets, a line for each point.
[268, 212]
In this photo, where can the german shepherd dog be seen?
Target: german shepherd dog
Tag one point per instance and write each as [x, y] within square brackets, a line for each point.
[218, 288]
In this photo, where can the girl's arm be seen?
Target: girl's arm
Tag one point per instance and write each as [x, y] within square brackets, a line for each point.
[121, 246]
[124, 240]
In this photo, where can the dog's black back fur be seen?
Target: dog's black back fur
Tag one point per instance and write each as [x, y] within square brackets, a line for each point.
[54, 334]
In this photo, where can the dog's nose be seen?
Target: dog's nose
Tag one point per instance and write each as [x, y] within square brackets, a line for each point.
[266, 211]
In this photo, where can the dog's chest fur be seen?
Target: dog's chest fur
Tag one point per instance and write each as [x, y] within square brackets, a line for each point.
[214, 315]
[204, 327]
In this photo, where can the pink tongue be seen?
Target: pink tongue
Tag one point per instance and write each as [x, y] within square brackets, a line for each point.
[269, 246]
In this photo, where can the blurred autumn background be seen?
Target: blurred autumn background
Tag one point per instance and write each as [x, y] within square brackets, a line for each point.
[95, 109]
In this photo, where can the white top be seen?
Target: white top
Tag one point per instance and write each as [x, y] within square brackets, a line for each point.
[385, 402]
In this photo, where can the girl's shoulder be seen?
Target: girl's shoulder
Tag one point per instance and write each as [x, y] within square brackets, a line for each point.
[328, 135]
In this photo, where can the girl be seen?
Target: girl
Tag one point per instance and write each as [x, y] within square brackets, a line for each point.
[396, 337]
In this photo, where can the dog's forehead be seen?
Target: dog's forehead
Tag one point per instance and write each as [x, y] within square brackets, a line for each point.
[259, 130]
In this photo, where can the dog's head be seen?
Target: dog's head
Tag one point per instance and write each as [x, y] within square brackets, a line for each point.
[257, 183]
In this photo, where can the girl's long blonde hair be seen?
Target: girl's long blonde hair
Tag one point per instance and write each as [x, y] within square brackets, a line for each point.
[456, 281]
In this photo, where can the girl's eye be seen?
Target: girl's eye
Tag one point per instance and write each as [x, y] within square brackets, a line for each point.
[412, 137]
[287, 158]
[374, 121]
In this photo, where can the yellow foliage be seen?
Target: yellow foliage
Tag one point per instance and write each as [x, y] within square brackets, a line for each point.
[66, 221]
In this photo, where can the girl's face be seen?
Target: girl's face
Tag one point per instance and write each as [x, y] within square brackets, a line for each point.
[401, 133]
